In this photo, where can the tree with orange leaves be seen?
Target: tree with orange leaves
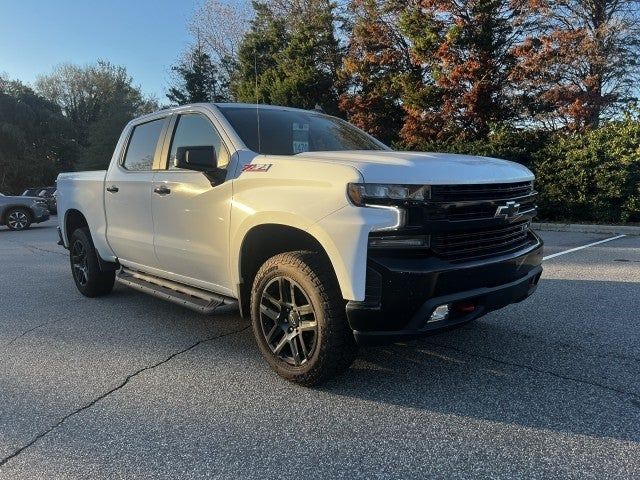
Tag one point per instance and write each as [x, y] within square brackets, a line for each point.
[376, 60]
[584, 62]
[468, 48]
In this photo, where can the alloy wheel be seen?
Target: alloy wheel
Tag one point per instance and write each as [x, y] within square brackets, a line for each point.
[18, 220]
[288, 321]
[79, 262]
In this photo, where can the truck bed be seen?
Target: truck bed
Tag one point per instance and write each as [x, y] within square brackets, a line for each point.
[84, 192]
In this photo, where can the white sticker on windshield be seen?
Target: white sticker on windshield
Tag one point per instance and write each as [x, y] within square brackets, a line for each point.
[300, 137]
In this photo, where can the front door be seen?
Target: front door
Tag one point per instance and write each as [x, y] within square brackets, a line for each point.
[128, 193]
[191, 213]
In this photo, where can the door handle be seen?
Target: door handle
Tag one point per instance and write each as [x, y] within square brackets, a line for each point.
[162, 190]
[112, 189]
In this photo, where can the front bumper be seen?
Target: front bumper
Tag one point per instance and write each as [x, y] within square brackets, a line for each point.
[402, 292]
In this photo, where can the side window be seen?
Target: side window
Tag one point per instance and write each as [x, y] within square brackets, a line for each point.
[142, 146]
[195, 130]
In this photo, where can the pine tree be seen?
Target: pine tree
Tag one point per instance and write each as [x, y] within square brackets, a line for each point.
[468, 50]
[290, 56]
[198, 79]
[257, 65]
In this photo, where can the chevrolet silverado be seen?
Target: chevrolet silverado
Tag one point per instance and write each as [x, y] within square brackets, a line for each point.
[325, 237]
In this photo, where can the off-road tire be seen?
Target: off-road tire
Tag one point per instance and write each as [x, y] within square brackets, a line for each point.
[95, 282]
[334, 348]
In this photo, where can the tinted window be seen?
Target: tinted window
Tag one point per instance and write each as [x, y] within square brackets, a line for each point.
[194, 130]
[287, 132]
[142, 146]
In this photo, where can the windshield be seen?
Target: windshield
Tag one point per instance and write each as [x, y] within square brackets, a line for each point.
[288, 132]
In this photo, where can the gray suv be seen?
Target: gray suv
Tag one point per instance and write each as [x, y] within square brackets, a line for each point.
[18, 213]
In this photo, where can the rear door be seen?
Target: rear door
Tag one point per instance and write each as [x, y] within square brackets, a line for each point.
[129, 186]
[190, 211]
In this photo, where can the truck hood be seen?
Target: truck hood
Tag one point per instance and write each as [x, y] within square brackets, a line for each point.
[425, 167]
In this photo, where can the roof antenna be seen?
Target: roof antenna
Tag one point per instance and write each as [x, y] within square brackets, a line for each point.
[255, 70]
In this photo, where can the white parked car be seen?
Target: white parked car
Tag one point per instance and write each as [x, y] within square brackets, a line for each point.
[324, 236]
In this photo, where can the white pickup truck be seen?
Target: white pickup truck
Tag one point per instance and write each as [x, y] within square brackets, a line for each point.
[325, 237]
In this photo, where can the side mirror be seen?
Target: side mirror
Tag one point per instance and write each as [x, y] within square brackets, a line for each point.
[200, 159]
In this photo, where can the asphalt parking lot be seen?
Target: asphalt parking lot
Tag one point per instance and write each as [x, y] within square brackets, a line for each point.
[129, 386]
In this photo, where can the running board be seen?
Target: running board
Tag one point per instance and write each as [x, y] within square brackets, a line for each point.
[194, 298]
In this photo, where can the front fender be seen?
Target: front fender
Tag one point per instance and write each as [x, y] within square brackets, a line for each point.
[342, 234]
[253, 219]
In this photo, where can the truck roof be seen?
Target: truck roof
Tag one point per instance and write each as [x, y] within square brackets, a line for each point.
[260, 105]
[223, 106]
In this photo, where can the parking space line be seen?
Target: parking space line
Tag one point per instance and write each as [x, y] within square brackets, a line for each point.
[583, 246]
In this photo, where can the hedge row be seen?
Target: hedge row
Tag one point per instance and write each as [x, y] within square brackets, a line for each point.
[592, 176]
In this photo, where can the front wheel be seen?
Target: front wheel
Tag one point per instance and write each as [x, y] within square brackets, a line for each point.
[299, 319]
[90, 280]
[18, 219]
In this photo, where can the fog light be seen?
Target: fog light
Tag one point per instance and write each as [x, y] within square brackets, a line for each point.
[440, 313]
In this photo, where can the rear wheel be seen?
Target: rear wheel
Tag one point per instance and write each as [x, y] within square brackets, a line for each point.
[89, 279]
[18, 219]
[299, 319]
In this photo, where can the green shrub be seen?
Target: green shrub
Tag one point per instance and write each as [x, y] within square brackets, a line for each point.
[592, 176]
[589, 176]
[518, 145]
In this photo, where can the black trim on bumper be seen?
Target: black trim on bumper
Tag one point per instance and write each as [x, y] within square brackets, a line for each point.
[402, 293]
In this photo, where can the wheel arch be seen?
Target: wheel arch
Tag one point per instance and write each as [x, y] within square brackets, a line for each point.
[9, 208]
[73, 219]
[262, 242]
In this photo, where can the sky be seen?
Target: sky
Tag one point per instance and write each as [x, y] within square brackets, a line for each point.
[146, 36]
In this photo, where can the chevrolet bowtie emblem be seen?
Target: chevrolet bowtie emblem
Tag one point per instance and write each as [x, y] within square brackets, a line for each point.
[508, 210]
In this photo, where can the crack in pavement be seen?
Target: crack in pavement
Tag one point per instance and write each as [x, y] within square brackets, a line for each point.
[46, 432]
[45, 324]
[14, 339]
[33, 247]
[534, 369]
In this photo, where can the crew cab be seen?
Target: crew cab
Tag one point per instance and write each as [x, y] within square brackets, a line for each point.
[325, 237]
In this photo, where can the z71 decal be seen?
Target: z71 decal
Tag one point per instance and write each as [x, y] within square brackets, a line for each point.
[257, 167]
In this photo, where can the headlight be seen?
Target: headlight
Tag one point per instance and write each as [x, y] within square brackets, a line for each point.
[378, 193]
[40, 203]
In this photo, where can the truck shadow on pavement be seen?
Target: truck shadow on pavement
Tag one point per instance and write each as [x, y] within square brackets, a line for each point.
[534, 364]
[541, 364]
[518, 368]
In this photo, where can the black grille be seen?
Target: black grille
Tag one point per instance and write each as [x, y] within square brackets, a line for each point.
[462, 203]
[480, 243]
[489, 191]
[475, 211]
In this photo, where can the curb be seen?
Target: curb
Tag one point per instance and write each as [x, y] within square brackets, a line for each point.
[579, 228]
